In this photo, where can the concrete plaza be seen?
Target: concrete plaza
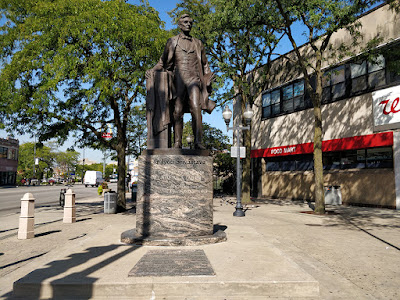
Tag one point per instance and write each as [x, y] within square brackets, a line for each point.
[277, 251]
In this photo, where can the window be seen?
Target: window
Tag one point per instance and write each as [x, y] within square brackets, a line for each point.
[380, 157]
[352, 159]
[3, 152]
[371, 158]
[290, 163]
[271, 103]
[367, 75]
[292, 99]
[293, 96]
[334, 84]
[353, 78]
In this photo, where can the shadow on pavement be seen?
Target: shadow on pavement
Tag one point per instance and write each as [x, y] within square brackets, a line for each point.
[61, 287]
[23, 260]
[46, 233]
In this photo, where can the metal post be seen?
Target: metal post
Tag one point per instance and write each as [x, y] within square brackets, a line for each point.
[34, 158]
[239, 208]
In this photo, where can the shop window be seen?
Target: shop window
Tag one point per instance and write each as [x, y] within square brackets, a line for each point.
[290, 163]
[380, 157]
[371, 158]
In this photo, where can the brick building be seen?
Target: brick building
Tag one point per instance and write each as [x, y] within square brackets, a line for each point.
[8, 161]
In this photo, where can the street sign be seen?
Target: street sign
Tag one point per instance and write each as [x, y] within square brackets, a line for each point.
[107, 135]
[242, 152]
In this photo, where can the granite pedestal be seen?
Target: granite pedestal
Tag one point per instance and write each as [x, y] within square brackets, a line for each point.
[174, 199]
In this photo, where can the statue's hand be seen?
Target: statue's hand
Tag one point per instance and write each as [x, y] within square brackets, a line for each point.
[210, 79]
[148, 73]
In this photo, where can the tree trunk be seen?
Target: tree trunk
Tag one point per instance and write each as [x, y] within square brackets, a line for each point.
[318, 166]
[121, 203]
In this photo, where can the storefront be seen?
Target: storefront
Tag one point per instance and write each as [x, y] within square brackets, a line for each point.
[8, 161]
[361, 117]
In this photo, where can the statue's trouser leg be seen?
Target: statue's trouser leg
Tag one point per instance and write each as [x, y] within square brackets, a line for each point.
[197, 119]
[178, 129]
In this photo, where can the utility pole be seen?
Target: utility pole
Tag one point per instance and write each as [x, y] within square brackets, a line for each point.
[34, 157]
[83, 164]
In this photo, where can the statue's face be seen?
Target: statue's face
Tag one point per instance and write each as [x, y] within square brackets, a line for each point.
[185, 24]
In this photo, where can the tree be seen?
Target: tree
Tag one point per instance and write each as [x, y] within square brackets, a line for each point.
[137, 131]
[238, 38]
[67, 162]
[26, 160]
[76, 66]
[213, 138]
[321, 19]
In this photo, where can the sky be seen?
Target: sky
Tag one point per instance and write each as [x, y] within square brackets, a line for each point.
[215, 118]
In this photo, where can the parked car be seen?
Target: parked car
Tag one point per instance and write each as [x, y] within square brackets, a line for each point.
[93, 178]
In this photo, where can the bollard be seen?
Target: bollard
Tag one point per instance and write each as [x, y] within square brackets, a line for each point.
[69, 207]
[27, 217]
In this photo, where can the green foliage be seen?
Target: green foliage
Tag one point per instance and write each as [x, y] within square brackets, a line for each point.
[26, 161]
[137, 130]
[213, 138]
[49, 160]
[224, 164]
[75, 66]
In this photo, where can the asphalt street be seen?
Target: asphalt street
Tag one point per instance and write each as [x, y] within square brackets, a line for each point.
[10, 198]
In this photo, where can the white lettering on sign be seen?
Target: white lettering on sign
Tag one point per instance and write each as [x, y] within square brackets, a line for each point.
[283, 150]
[276, 151]
[386, 105]
[290, 149]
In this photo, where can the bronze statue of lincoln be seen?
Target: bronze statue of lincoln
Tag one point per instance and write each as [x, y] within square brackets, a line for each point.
[179, 83]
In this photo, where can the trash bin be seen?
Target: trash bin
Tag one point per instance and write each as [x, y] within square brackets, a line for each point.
[62, 197]
[110, 202]
[333, 195]
[134, 192]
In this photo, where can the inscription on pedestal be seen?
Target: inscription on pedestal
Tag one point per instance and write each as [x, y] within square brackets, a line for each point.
[173, 263]
[174, 196]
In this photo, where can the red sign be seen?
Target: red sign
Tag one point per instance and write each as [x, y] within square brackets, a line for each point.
[393, 106]
[107, 135]
[352, 143]
[386, 105]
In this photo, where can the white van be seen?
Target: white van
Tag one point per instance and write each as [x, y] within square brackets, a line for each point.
[93, 178]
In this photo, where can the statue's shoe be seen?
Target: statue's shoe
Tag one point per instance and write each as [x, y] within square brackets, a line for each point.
[199, 147]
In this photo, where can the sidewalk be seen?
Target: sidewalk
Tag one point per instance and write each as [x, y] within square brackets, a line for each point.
[276, 250]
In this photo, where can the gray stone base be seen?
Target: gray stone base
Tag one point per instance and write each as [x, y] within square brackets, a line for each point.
[130, 237]
[175, 195]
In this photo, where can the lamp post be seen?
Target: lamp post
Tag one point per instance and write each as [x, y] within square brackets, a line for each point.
[189, 139]
[248, 114]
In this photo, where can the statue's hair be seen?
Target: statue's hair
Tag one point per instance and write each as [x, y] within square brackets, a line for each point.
[184, 16]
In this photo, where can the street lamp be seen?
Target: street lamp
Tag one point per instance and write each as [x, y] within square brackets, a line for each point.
[189, 139]
[248, 114]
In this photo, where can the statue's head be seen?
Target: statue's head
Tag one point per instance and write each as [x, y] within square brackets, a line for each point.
[185, 23]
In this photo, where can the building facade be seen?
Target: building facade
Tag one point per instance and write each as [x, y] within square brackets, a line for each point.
[361, 117]
[8, 161]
